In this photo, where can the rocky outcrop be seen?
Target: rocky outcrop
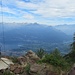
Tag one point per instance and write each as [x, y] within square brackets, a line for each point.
[35, 68]
[5, 63]
[16, 69]
[72, 71]
[32, 55]
[41, 69]
[29, 58]
[22, 61]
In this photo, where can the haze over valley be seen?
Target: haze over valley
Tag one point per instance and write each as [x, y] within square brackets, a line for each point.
[32, 36]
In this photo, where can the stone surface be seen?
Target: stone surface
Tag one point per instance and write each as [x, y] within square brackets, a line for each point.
[22, 61]
[31, 57]
[72, 71]
[13, 67]
[5, 63]
[16, 68]
[35, 68]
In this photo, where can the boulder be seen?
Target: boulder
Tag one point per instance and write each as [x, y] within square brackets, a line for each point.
[24, 73]
[31, 57]
[35, 68]
[1, 73]
[18, 70]
[50, 73]
[22, 61]
[41, 69]
[13, 67]
[38, 69]
[72, 71]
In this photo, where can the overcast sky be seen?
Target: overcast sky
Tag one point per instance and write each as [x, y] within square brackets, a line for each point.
[50, 12]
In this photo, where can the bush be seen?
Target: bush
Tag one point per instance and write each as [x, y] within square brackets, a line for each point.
[70, 57]
[27, 69]
[7, 73]
[55, 59]
[14, 60]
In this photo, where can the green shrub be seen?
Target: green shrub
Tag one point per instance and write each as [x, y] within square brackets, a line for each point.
[7, 73]
[70, 57]
[14, 60]
[27, 69]
[40, 53]
[55, 59]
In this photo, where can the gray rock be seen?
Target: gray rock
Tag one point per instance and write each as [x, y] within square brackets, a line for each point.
[72, 71]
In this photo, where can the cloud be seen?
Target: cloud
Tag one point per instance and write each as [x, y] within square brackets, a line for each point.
[28, 16]
[56, 8]
[8, 10]
[26, 5]
[45, 10]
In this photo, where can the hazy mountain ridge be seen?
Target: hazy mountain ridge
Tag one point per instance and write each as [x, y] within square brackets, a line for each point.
[35, 32]
[8, 26]
[68, 29]
[33, 36]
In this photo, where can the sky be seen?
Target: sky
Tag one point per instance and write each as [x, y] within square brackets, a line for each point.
[49, 12]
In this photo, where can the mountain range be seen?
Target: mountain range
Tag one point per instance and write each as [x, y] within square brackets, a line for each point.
[32, 36]
[34, 32]
[68, 29]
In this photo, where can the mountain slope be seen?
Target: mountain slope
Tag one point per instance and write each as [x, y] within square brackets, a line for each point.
[8, 26]
[35, 32]
[68, 29]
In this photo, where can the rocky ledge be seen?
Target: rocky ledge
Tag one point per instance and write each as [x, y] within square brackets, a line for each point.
[27, 65]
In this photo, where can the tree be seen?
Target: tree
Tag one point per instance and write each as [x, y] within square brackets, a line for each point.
[56, 59]
[56, 52]
[70, 57]
[73, 44]
[40, 53]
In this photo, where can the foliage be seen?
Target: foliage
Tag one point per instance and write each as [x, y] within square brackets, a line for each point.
[27, 69]
[7, 73]
[14, 60]
[55, 59]
[70, 57]
[41, 52]
[56, 53]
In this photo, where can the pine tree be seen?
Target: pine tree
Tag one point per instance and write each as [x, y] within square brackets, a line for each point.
[41, 52]
[71, 56]
[73, 44]
[72, 53]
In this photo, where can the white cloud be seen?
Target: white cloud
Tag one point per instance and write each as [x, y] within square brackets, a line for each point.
[25, 5]
[28, 16]
[47, 8]
[56, 8]
[8, 10]
[44, 8]
[17, 13]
